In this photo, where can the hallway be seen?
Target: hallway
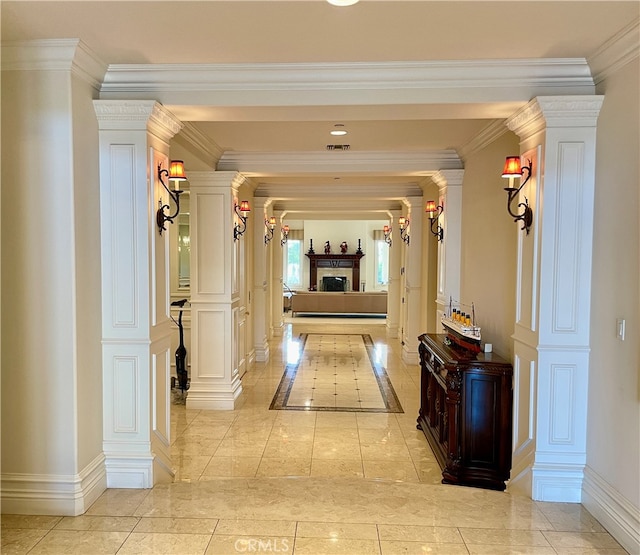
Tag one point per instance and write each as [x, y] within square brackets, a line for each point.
[310, 482]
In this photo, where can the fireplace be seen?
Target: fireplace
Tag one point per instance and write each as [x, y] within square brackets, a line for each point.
[334, 263]
[334, 283]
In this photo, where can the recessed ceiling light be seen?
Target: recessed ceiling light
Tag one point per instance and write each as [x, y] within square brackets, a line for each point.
[339, 130]
[342, 2]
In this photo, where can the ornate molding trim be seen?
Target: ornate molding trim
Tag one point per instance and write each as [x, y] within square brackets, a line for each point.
[448, 178]
[526, 121]
[163, 123]
[573, 111]
[136, 114]
[556, 111]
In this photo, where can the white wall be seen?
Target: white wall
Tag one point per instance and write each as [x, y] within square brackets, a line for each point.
[613, 443]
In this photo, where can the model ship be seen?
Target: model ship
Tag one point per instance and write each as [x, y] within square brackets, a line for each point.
[461, 328]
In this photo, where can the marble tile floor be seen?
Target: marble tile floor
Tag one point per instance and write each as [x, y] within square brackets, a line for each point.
[259, 481]
[335, 373]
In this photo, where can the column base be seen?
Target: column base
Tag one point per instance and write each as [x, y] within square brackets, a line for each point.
[214, 400]
[410, 356]
[560, 483]
[262, 352]
[129, 471]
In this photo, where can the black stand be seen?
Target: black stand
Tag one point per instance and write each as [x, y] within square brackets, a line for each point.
[181, 355]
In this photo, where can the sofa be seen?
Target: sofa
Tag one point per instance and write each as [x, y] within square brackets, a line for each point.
[339, 302]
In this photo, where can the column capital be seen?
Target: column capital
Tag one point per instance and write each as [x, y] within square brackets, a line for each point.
[231, 179]
[448, 178]
[136, 115]
[555, 111]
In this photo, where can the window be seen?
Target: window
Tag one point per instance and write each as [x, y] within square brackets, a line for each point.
[382, 263]
[293, 263]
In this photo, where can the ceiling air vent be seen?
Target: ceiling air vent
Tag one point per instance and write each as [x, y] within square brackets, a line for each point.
[338, 147]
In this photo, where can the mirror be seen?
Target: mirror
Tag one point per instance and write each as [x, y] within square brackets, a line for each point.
[184, 251]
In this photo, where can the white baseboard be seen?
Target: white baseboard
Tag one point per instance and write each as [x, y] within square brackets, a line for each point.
[614, 511]
[51, 494]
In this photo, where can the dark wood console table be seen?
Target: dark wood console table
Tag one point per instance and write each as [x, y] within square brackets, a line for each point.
[466, 412]
[335, 261]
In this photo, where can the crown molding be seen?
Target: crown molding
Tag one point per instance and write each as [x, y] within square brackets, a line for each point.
[205, 148]
[54, 55]
[330, 162]
[618, 51]
[482, 139]
[429, 81]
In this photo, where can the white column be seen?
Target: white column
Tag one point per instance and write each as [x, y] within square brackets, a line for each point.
[52, 452]
[277, 316]
[551, 339]
[449, 184]
[216, 312]
[260, 281]
[413, 282]
[394, 295]
[134, 140]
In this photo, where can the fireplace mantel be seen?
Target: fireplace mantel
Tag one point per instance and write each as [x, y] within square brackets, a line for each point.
[351, 261]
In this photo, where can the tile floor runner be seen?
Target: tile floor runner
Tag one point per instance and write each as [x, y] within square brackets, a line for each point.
[336, 372]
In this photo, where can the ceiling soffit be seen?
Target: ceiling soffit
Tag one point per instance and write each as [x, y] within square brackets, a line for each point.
[418, 164]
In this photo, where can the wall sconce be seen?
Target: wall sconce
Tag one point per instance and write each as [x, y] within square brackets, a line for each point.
[433, 213]
[403, 223]
[174, 173]
[285, 235]
[387, 234]
[242, 212]
[512, 169]
[270, 224]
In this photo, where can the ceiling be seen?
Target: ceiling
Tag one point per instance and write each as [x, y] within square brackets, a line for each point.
[337, 54]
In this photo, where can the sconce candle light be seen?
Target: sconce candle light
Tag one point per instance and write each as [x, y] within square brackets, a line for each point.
[403, 224]
[285, 235]
[241, 210]
[387, 234]
[270, 224]
[174, 173]
[513, 169]
[433, 213]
